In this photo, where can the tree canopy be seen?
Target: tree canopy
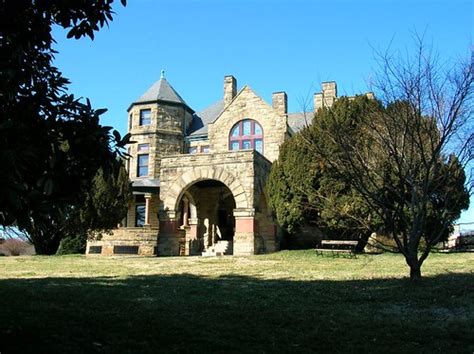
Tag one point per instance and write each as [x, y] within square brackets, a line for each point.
[391, 166]
[51, 143]
[303, 186]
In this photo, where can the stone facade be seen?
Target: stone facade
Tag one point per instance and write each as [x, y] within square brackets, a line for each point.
[247, 104]
[199, 178]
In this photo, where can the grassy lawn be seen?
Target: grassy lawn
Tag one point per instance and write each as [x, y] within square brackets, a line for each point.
[292, 301]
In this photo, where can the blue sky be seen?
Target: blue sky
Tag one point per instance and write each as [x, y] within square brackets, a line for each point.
[270, 45]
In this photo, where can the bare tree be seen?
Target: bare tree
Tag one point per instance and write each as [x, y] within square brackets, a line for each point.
[418, 146]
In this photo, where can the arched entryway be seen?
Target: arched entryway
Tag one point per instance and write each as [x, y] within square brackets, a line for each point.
[205, 212]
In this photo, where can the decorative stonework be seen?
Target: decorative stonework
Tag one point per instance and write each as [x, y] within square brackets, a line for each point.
[247, 104]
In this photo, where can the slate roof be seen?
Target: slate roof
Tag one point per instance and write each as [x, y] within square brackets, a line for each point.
[161, 91]
[299, 120]
[146, 182]
[202, 119]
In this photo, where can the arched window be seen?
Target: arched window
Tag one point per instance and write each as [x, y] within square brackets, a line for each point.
[246, 134]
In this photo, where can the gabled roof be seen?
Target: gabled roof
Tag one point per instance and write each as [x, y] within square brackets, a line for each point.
[161, 91]
[299, 120]
[201, 120]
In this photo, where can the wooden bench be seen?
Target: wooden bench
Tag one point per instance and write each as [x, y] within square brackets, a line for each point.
[337, 247]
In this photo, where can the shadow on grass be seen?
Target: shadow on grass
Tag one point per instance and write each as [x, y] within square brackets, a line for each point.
[186, 313]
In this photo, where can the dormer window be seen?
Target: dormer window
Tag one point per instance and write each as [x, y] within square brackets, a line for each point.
[245, 135]
[145, 116]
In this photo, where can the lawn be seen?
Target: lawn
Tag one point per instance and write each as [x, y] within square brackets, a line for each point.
[291, 301]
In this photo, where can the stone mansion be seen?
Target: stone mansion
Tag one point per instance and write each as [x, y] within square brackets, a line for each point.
[198, 178]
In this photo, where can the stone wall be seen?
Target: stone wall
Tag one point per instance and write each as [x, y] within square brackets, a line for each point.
[153, 212]
[164, 135]
[248, 105]
[233, 168]
[145, 238]
[243, 172]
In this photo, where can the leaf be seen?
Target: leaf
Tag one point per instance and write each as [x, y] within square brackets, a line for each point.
[100, 111]
[124, 2]
[117, 136]
[71, 33]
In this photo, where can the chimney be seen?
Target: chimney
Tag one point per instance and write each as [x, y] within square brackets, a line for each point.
[329, 93]
[230, 89]
[280, 103]
[317, 101]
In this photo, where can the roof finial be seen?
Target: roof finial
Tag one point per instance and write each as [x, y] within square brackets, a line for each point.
[162, 74]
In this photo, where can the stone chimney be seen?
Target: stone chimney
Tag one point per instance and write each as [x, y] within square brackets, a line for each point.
[280, 103]
[318, 101]
[329, 93]
[230, 89]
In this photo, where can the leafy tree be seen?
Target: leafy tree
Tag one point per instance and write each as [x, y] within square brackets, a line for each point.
[404, 157]
[51, 144]
[303, 187]
[105, 206]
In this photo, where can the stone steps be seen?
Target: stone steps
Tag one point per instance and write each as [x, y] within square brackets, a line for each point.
[221, 248]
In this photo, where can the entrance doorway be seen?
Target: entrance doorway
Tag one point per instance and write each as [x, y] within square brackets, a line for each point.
[206, 211]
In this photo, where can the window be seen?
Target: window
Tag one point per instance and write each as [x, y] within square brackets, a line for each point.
[145, 116]
[205, 149]
[140, 215]
[142, 165]
[130, 122]
[246, 134]
[193, 150]
[143, 147]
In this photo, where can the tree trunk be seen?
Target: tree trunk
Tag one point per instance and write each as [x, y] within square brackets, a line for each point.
[415, 272]
[45, 245]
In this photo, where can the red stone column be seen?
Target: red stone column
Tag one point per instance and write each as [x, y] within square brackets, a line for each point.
[185, 211]
[245, 228]
[192, 242]
[168, 234]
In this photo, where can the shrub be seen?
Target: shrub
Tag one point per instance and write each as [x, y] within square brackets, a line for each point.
[15, 247]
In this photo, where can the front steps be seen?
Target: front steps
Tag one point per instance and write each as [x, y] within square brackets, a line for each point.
[221, 248]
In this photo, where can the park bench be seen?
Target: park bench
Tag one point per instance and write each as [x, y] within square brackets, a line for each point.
[337, 247]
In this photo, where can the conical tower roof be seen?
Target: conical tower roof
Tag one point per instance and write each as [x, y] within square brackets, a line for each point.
[161, 90]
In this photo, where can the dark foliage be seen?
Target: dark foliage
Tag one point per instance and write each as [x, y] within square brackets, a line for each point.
[51, 143]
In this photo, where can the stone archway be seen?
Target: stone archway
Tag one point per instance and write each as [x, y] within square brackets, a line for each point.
[171, 239]
[210, 227]
[173, 194]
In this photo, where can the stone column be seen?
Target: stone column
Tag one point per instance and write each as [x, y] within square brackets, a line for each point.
[168, 234]
[147, 209]
[185, 211]
[245, 228]
[192, 242]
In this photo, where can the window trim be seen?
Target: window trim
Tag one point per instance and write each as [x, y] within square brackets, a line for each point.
[147, 165]
[141, 123]
[241, 138]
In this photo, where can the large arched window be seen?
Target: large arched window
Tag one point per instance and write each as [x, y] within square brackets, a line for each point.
[246, 134]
